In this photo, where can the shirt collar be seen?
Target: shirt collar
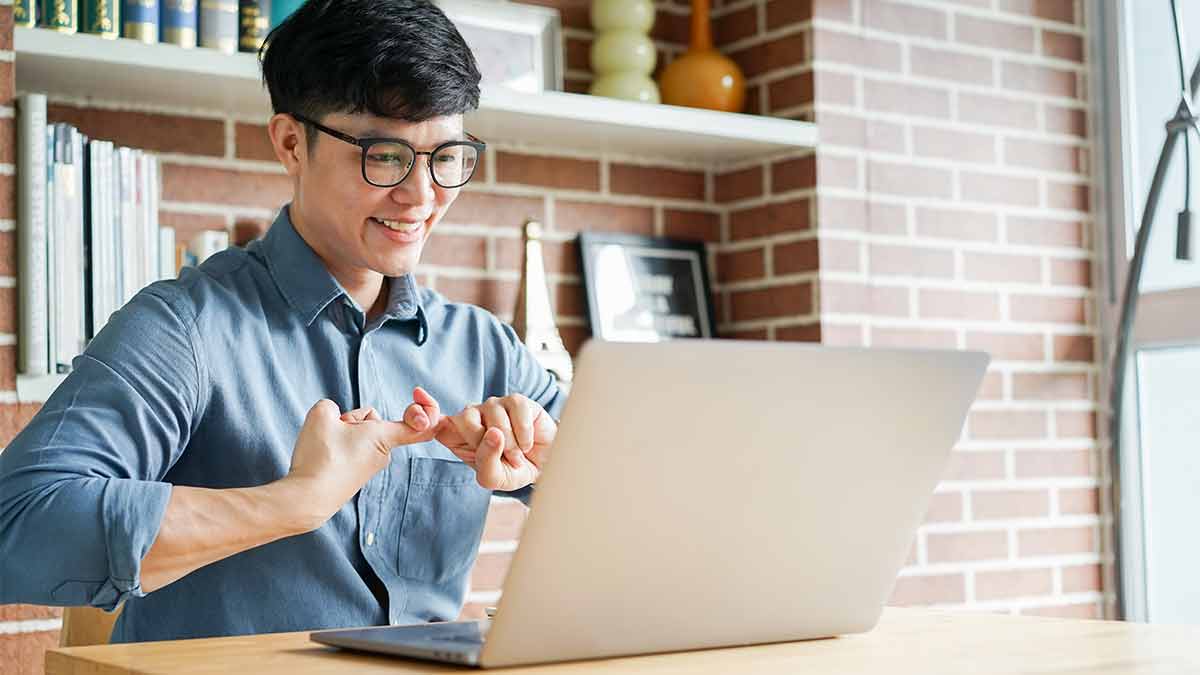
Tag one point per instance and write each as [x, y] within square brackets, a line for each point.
[307, 285]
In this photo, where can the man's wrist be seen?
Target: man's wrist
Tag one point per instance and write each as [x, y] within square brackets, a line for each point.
[289, 507]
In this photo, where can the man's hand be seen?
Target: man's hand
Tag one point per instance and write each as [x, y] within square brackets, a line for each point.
[335, 456]
[505, 439]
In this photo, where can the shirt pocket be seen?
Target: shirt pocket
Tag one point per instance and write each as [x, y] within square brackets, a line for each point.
[443, 519]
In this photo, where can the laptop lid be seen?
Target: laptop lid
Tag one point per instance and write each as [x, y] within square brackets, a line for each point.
[715, 493]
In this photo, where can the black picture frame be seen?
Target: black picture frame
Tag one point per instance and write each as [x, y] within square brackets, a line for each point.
[646, 289]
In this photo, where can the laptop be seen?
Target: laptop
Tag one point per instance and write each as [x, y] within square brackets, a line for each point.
[714, 493]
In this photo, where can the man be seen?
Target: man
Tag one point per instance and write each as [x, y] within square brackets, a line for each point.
[183, 469]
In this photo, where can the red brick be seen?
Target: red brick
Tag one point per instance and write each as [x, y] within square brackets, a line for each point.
[856, 214]
[1062, 45]
[752, 334]
[741, 265]
[1053, 463]
[489, 571]
[1003, 504]
[1017, 583]
[1003, 268]
[1043, 80]
[854, 298]
[8, 138]
[692, 225]
[854, 50]
[7, 90]
[776, 302]
[908, 180]
[456, 251]
[905, 99]
[1051, 386]
[742, 184]
[1056, 541]
[1074, 348]
[838, 255]
[928, 589]
[26, 651]
[913, 338]
[494, 295]
[1067, 196]
[251, 141]
[999, 189]
[1053, 10]
[832, 10]
[553, 172]
[1084, 610]
[887, 259]
[1009, 346]
[13, 416]
[1075, 424]
[996, 111]
[671, 28]
[795, 258]
[1079, 501]
[782, 13]
[1042, 232]
[894, 17]
[28, 612]
[794, 174]
[8, 311]
[8, 253]
[956, 224]
[480, 208]
[831, 87]
[571, 216]
[948, 304]
[578, 53]
[656, 182]
[573, 337]
[791, 91]
[505, 520]
[994, 34]
[569, 299]
[856, 132]
[474, 611]
[1077, 273]
[765, 57]
[835, 171]
[8, 196]
[1070, 121]
[1038, 155]
[224, 186]
[768, 219]
[953, 66]
[1006, 424]
[992, 387]
[1081, 579]
[975, 465]
[734, 26]
[149, 131]
[6, 27]
[799, 333]
[945, 507]
[966, 546]
[956, 145]
[1047, 308]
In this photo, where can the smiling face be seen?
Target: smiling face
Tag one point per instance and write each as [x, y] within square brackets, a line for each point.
[358, 229]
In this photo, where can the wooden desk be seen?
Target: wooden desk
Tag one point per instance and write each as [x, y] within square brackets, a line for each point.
[907, 641]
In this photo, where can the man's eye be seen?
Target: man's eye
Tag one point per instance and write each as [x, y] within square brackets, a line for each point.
[392, 159]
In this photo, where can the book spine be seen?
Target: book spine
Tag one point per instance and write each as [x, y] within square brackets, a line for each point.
[219, 25]
[253, 23]
[59, 15]
[90, 197]
[140, 20]
[150, 219]
[166, 253]
[33, 281]
[177, 23]
[100, 17]
[77, 264]
[25, 13]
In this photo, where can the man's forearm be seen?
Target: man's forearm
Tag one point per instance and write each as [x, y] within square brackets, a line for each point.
[202, 526]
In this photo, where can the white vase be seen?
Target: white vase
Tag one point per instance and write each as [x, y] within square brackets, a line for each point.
[623, 56]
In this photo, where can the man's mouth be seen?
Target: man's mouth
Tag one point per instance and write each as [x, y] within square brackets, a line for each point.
[399, 226]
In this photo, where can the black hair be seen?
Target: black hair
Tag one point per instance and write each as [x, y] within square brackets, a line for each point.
[402, 59]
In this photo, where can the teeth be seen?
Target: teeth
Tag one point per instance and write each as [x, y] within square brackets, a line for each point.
[399, 226]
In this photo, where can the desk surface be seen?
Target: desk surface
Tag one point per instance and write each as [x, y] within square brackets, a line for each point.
[906, 641]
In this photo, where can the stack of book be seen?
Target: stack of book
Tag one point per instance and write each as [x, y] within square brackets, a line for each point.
[88, 235]
[224, 25]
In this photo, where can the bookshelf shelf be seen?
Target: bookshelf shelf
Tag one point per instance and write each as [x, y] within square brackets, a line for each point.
[160, 76]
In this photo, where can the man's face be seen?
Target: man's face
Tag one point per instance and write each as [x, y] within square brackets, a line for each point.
[359, 226]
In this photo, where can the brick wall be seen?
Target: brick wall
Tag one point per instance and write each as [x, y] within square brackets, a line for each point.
[947, 206]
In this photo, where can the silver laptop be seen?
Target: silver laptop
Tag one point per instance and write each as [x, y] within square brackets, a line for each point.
[715, 493]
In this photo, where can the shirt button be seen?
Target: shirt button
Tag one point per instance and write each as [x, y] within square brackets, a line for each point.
[370, 538]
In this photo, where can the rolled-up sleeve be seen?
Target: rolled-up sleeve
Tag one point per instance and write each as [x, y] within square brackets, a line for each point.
[81, 487]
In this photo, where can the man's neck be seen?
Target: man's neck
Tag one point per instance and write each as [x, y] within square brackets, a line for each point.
[368, 288]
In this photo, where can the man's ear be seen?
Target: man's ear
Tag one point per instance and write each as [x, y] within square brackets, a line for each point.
[289, 141]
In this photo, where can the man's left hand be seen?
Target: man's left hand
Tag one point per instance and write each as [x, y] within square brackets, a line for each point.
[506, 440]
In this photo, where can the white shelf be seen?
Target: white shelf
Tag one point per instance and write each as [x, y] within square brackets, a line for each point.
[37, 388]
[89, 68]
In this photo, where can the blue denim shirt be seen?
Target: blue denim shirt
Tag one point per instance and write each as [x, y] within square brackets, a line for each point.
[205, 381]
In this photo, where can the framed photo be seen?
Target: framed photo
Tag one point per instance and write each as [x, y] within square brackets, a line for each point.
[646, 289]
[517, 46]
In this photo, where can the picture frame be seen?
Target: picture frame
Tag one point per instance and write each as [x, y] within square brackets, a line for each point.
[515, 45]
[646, 289]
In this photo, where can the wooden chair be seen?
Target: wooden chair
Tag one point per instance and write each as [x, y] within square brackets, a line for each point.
[83, 626]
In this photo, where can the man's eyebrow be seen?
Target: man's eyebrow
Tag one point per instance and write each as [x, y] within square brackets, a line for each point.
[372, 132]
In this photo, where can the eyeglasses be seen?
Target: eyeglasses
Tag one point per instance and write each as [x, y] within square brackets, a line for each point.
[386, 162]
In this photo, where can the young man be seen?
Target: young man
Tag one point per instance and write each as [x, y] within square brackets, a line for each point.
[183, 469]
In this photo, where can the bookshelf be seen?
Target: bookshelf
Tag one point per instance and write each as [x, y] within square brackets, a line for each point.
[86, 68]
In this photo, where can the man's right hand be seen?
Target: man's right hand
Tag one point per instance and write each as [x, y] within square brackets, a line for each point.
[336, 454]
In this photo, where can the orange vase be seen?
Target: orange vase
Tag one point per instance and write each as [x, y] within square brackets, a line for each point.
[703, 77]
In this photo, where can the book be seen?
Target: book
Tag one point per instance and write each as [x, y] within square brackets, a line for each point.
[282, 9]
[139, 20]
[25, 13]
[100, 17]
[58, 15]
[66, 251]
[219, 25]
[32, 279]
[178, 22]
[166, 253]
[254, 21]
[207, 243]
